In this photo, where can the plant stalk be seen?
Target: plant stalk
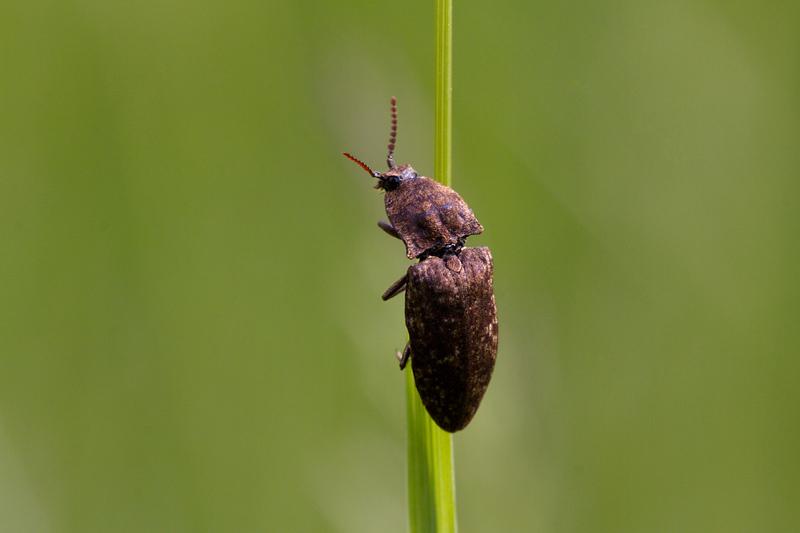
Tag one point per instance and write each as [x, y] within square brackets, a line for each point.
[431, 476]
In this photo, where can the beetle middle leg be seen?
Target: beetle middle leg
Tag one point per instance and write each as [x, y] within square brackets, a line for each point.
[399, 285]
[396, 288]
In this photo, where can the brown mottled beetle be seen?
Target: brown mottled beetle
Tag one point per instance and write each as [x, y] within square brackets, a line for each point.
[451, 315]
[424, 213]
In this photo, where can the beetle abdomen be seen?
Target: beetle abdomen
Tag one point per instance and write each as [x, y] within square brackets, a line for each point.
[452, 325]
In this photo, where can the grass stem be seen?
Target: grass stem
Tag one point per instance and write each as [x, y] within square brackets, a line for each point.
[431, 476]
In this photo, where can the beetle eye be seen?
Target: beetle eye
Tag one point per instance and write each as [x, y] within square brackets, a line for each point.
[390, 183]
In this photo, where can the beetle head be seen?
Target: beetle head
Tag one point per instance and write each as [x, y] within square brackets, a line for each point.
[397, 174]
[388, 181]
[391, 180]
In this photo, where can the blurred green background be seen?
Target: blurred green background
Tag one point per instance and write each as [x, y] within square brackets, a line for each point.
[191, 333]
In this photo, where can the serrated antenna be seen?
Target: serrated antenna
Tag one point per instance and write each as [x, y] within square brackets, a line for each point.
[362, 165]
[393, 134]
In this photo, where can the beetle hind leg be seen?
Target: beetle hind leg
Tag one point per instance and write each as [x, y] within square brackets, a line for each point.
[405, 356]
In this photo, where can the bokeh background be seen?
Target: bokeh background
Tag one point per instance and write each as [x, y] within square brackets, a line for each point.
[191, 334]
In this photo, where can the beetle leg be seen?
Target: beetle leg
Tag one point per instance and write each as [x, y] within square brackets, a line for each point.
[405, 356]
[396, 288]
[388, 228]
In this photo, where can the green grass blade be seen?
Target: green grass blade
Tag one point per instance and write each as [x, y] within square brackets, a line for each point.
[431, 477]
[444, 90]
[431, 485]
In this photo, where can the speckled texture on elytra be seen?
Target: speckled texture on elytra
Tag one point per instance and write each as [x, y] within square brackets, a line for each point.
[452, 326]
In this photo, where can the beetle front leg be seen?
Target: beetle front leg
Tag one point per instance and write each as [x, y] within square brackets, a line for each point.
[388, 228]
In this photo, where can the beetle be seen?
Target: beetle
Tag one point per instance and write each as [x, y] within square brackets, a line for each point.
[450, 309]
[424, 213]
